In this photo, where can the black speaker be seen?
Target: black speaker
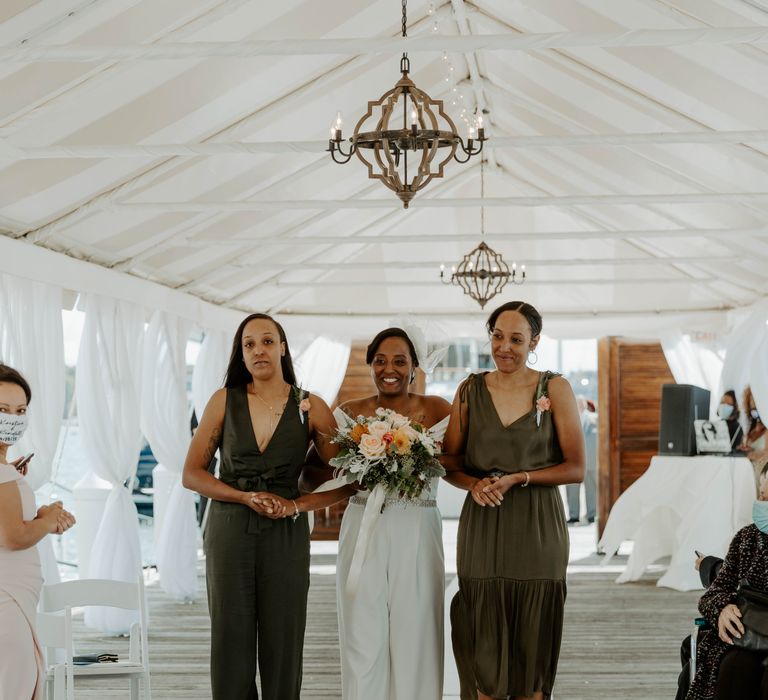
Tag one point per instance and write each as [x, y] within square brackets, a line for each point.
[681, 404]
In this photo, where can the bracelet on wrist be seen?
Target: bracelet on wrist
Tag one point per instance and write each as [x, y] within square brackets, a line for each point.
[295, 515]
[527, 480]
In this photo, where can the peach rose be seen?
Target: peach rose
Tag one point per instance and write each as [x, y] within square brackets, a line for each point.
[543, 403]
[305, 405]
[371, 446]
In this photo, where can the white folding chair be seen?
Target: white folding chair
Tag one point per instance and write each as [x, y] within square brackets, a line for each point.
[117, 594]
[52, 635]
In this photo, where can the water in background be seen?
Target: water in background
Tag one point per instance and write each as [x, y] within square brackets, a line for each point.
[69, 467]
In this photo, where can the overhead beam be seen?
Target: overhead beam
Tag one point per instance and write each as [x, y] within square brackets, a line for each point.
[435, 264]
[528, 282]
[439, 203]
[387, 45]
[436, 238]
[9, 152]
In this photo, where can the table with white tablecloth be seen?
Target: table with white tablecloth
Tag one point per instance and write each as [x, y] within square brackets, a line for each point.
[678, 505]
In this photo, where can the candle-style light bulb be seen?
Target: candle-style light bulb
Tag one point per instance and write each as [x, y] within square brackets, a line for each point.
[339, 121]
[414, 116]
[453, 269]
[471, 132]
[480, 120]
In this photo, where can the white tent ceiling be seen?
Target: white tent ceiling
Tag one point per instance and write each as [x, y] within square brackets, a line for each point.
[182, 142]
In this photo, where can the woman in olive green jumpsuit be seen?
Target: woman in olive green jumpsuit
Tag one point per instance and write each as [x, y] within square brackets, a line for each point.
[257, 537]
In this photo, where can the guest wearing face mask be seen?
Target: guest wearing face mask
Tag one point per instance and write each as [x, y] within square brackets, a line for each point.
[728, 410]
[21, 528]
[755, 443]
[724, 671]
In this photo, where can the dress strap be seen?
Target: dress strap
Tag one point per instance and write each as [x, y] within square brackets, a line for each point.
[543, 386]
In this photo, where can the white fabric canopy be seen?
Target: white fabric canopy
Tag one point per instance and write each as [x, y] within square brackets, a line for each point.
[321, 367]
[108, 403]
[691, 363]
[31, 341]
[165, 423]
[745, 359]
[209, 370]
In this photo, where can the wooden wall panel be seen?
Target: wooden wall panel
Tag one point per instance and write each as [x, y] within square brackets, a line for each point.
[357, 381]
[630, 376]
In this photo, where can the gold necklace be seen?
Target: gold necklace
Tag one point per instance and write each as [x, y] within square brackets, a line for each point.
[274, 415]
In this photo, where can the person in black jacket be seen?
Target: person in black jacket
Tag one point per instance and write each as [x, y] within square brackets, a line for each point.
[708, 568]
[728, 410]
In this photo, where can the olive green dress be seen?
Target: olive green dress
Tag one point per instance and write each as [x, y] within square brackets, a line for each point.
[507, 617]
[257, 569]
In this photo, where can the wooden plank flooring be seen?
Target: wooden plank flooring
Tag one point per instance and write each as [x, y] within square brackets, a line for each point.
[620, 641]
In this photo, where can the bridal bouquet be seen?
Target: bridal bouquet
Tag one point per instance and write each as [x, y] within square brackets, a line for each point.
[386, 450]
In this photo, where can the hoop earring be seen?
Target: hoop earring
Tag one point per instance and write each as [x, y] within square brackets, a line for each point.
[535, 357]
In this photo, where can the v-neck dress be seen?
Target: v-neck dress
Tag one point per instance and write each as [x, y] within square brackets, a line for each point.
[257, 569]
[507, 616]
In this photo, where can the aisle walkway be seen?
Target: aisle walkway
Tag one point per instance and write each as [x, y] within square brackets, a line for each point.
[620, 642]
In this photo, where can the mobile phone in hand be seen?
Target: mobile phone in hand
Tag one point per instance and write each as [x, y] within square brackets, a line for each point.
[25, 460]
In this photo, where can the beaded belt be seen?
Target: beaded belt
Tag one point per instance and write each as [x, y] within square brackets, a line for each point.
[419, 502]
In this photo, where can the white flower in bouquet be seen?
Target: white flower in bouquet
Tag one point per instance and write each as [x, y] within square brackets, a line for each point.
[399, 421]
[379, 428]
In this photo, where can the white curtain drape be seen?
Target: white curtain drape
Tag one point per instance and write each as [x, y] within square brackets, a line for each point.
[321, 366]
[746, 361]
[692, 363]
[211, 365]
[108, 403]
[165, 423]
[31, 341]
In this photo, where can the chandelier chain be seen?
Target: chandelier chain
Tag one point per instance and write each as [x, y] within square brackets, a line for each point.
[405, 19]
[482, 199]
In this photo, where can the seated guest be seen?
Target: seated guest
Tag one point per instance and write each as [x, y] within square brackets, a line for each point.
[708, 568]
[725, 671]
[754, 444]
[728, 410]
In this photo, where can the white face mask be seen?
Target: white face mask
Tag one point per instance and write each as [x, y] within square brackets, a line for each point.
[725, 411]
[12, 427]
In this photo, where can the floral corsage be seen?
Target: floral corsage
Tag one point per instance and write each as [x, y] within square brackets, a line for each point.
[302, 398]
[543, 403]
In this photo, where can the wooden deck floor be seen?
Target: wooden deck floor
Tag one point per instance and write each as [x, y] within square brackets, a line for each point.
[620, 641]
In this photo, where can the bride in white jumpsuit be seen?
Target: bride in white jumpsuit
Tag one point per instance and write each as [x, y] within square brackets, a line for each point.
[391, 626]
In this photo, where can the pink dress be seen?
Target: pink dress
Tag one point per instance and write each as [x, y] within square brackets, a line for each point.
[21, 662]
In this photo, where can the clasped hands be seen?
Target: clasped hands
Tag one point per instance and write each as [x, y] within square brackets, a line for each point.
[58, 519]
[490, 490]
[270, 505]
